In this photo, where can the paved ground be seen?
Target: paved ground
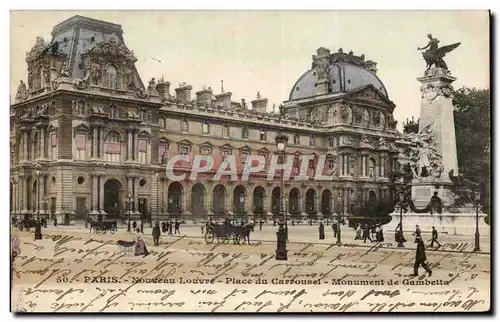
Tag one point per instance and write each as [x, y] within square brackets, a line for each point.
[73, 271]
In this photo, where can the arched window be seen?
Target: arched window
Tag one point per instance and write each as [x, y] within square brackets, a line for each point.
[262, 135]
[110, 77]
[112, 147]
[205, 127]
[372, 165]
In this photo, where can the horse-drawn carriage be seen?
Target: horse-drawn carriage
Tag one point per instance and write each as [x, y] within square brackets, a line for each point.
[103, 226]
[226, 232]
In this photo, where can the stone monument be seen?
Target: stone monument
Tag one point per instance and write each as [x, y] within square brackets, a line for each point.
[433, 157]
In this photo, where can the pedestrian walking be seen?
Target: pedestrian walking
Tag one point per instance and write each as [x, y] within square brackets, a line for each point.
[420, 257]
[366, 234]
[260, 225]
[321, 231]
[164, 228]
[134, 225]
[335, 228]
[417, 233]
[170, 226]
[38, 230]
[177, 225]
[142, 227]
[156, 234]
[434, 237]
[359, 232]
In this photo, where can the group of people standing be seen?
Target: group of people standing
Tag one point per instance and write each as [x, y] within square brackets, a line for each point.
[165, 227]
[374, 233]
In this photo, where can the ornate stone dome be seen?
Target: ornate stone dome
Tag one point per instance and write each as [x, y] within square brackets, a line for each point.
[340, 71]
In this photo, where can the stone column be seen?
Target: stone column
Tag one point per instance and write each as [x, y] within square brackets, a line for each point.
[363, 165]
[94, 142]
[25, 145]
[209, 199]
[22, 193]
[95, 189]
[101, 194]
[136, 194]
[41, 194]
[164, 204]
[318, 202]
[129, 146]
[42, 143]
[136, 146]
[101, 143]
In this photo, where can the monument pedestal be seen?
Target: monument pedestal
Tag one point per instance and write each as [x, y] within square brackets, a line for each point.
[445, 223]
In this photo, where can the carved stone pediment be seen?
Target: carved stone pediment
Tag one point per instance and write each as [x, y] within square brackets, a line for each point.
[112, 48]
[369, 94]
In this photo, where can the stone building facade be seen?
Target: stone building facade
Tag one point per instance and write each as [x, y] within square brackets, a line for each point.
[88, 137]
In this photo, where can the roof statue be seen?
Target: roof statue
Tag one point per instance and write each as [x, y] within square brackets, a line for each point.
[258, 95]
[434, 54]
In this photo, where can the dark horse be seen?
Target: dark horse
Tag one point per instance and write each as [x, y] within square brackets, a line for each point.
[244, 231]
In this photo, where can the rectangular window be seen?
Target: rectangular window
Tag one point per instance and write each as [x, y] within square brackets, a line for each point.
[205, 128]
[80, 141]
[244, 133]
[225, 153]
[162, 153]
[330, 163]
[143, 151]
[184, 150]
[206, 151]
[331, 142]
[262, 136]
[53, 146]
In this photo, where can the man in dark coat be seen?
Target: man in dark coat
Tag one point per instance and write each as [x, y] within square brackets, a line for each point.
[420, 258]
[164, 228]
[156, 234]
[177, 225]
[134, 225]
[417, 233]
[366, 233]
[335, 228]
[38, 230]
[321, 231]
[434, 237]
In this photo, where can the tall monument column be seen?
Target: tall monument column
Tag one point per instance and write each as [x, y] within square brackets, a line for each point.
[437, 109]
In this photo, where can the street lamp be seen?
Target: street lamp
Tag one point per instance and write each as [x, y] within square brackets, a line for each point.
[282, 234]
[129, 206]
[477, 248]
[240, 210]
[401, 197]
[339, 218]
[157, 210]
[38, 192]
[45, 210]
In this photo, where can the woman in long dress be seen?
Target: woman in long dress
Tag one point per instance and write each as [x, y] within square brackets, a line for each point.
[140, 246]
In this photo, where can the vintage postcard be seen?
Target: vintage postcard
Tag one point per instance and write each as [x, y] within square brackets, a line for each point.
[250, 161]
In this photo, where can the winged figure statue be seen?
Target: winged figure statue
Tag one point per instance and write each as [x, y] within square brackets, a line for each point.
[433, 54]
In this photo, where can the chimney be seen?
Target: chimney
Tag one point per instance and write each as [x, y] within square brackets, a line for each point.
[224, 99]
[260, 104]
[183, 93]
[204, 97]
[371, 66]
[163, 89]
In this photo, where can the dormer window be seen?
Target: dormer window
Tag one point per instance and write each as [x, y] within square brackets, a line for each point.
[110, 77]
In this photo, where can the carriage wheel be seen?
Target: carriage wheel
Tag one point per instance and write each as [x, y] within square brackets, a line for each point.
[113, 230]
[227, 238]
[220, 239]
[236, 239]
[209, 237]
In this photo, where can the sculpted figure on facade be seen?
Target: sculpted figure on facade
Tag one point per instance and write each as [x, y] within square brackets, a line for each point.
[65, 70]
[321, 63]
[382, 143]
[152, 85]
[358, 115]
[365, 140]
[347, 140]
[345, 114]
[366, 118]
[95, 72]
[382, 119]
[425, 161]
[352, 164]
[22, 92]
